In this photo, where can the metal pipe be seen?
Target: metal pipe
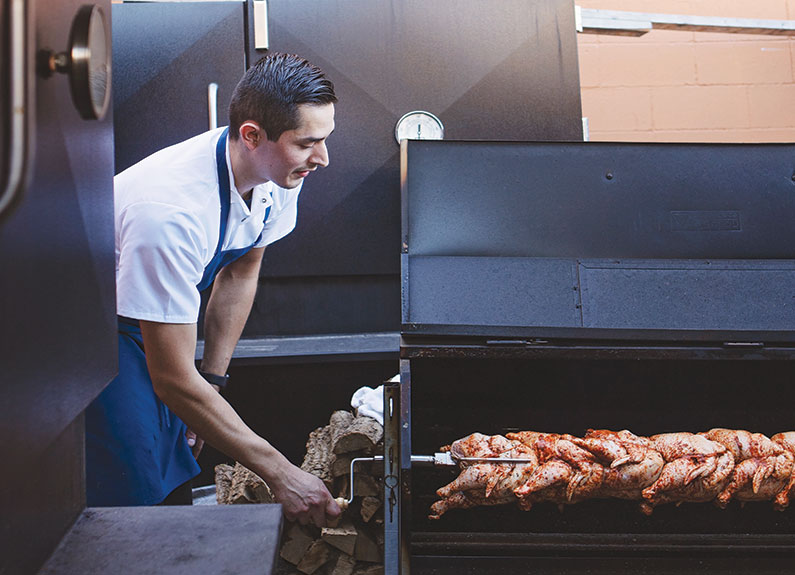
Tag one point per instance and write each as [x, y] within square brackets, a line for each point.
[20, 107]
[354, 461]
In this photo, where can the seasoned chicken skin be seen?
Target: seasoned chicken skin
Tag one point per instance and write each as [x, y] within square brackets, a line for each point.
[717, 465]
[762, 469]
[560, 461]
[485, 483]
[786, 440]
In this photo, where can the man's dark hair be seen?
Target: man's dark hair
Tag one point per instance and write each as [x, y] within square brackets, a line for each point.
[271, 91]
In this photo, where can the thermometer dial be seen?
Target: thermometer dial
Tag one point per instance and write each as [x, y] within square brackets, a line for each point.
[419, 125]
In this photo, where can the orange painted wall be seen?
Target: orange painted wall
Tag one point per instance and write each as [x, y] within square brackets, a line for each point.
[676, 86]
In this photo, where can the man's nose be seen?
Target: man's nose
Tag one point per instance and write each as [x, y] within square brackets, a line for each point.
[320, 155]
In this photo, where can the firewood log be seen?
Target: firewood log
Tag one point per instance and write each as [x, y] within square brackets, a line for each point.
[362, 434]
[317, 460]
[369, 570]
[339, 423]
[223, 482]
[297, 541]
[341, 463]
[366, 548]
[343, 565]
[369, 506]
[342, 537]
[315, 557]
[366, 486]
[240, 485]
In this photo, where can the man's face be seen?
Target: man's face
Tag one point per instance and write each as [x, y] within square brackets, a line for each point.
[296, 153]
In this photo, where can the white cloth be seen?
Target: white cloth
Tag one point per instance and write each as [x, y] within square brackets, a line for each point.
[167, 223]
[369, 402]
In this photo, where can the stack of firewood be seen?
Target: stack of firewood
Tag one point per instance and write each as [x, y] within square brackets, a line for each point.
[355, 544]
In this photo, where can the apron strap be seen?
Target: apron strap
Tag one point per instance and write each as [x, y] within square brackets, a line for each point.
[222, 258]
[224, 190]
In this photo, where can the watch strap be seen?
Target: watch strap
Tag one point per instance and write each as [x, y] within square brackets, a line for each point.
[215, 379]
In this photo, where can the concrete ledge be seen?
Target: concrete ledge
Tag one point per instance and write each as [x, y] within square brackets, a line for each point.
[170, 541]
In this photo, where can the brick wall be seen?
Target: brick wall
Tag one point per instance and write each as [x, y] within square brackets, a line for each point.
[690, 86]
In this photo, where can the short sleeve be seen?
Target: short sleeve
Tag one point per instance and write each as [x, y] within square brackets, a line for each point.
[162, 253]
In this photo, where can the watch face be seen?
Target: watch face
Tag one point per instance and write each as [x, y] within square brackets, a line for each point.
[419, 125]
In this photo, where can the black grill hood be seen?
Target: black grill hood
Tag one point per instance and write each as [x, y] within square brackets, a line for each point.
[599, 241]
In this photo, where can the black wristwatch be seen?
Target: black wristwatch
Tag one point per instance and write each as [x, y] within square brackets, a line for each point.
[214, 379]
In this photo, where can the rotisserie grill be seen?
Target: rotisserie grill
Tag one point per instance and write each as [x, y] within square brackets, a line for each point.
[578, 290]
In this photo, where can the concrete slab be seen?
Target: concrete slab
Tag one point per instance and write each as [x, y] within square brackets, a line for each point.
[170, 541]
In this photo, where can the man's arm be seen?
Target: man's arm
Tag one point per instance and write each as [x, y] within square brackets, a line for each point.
[225, 317]
[228, 309]
[170, 352]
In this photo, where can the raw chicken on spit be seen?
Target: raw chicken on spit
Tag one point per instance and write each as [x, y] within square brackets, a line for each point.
[762, 467]
[696, 469]
[602, 464]
[484, 483]
[718, 465]
[631, 464]
[561, 463]
[786, 440]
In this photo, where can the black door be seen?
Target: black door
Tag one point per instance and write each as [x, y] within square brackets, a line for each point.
[167, 56]
[57, 289]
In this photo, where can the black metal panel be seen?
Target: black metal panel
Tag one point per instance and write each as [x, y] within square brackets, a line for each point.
[165, 54]
[647, 240]
[695, 295]
[299, 306]
[57, 344]
[600, 200]
[490, 71]
[5, 96]
[532, 291]
[46, 497]
[601, 345]
[672, 562]
[57, 303]
[504, 71]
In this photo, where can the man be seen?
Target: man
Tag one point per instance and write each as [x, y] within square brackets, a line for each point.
[197, 212]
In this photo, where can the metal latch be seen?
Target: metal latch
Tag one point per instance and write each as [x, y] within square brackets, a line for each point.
[516, 342]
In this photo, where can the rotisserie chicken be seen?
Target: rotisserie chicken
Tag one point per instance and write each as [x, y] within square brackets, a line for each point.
[718, 465]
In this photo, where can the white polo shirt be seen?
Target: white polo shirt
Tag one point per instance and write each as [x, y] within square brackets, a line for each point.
[168, 214]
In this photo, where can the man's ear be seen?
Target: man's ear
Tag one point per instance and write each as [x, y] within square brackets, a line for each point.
[251, 134]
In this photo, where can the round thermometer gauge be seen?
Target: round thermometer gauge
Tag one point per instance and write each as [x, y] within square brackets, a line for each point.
[419, 125]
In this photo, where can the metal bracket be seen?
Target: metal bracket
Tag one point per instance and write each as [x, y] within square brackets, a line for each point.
[261, 38]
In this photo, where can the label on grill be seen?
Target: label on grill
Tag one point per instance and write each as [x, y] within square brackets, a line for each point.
[705, 221]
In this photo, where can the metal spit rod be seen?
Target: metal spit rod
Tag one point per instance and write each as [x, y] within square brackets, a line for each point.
[445, 459]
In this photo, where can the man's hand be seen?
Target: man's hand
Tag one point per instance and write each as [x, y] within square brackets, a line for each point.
[304, 497]
[194, 442]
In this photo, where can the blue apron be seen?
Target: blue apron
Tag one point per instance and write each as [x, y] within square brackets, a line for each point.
[136, 451]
